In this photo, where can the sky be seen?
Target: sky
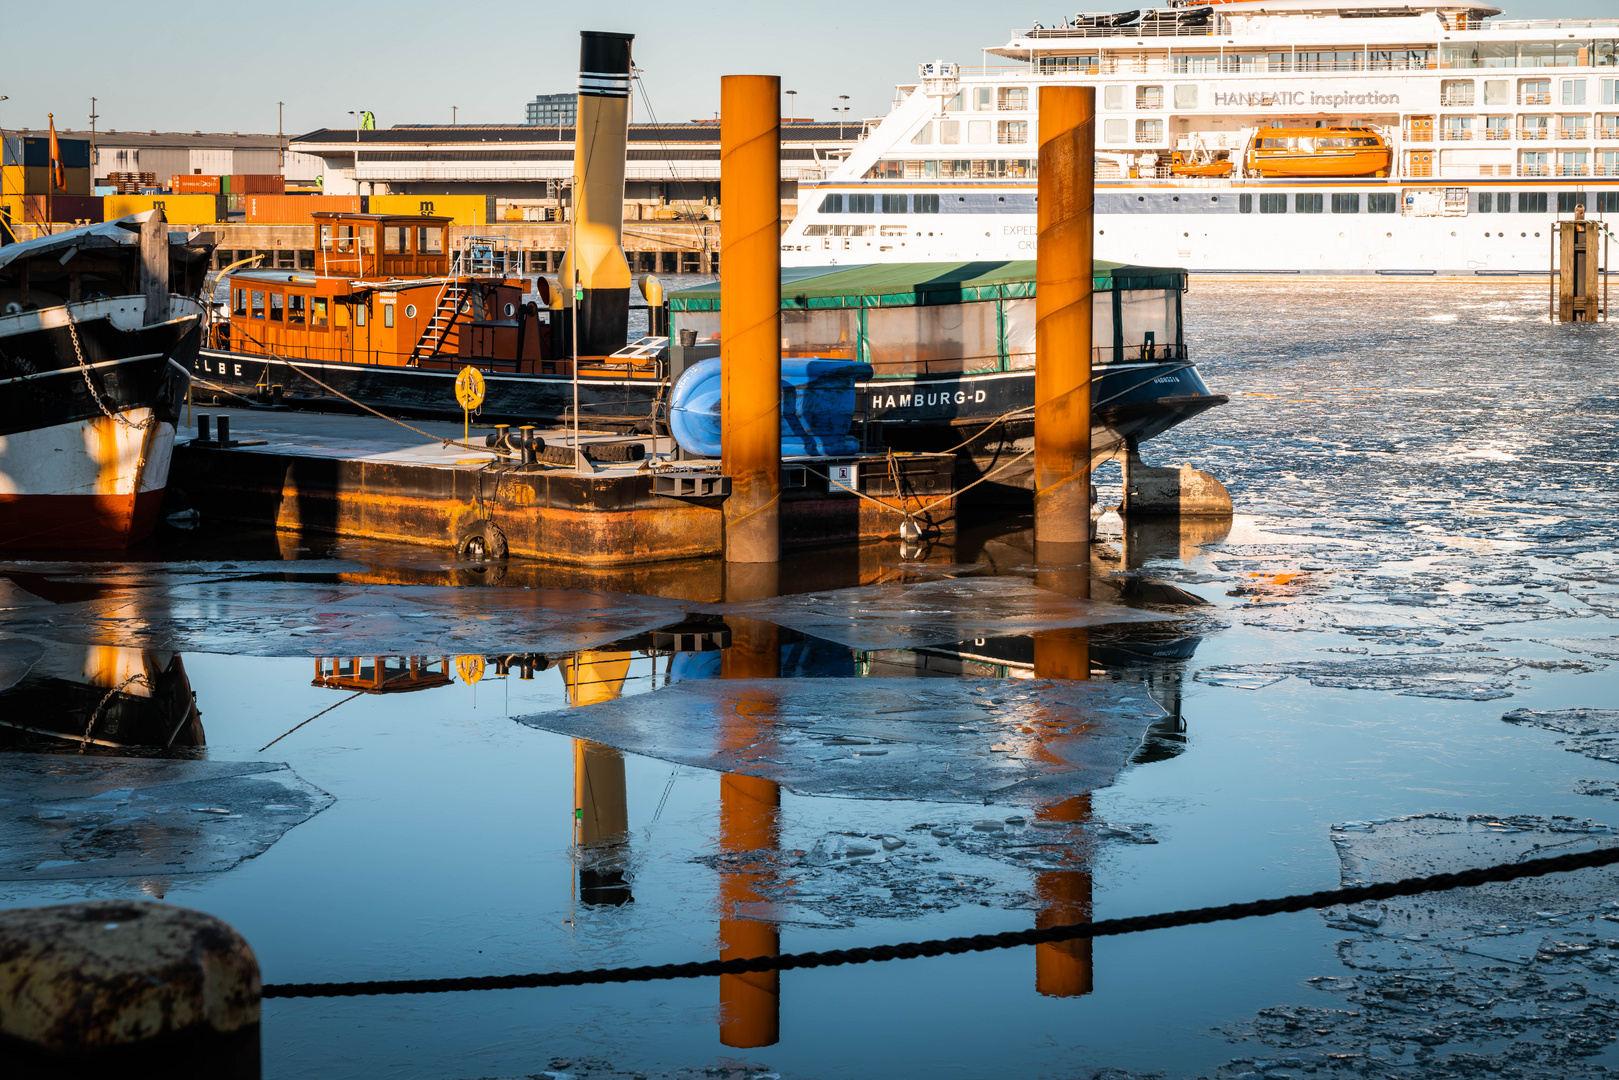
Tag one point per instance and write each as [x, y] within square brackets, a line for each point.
[184, 66]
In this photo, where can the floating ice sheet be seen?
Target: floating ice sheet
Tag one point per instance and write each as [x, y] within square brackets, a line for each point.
[1592, 732]
[70, 818]
[1459, 676]
[933, 612]
[957, 740]
[17, 658]
[265, 618]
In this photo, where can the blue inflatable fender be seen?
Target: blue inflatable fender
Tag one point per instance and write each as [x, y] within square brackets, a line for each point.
[817, 407]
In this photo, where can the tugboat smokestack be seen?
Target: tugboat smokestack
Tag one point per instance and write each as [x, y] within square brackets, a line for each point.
[595, 274]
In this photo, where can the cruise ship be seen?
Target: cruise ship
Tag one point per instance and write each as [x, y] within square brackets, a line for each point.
[1312, 137]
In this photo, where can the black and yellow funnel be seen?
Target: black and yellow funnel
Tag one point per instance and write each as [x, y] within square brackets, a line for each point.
[595, 275]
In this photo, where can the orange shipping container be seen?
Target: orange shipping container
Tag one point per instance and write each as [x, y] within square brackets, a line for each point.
[295, 209]
[257, 184]
[191, 184]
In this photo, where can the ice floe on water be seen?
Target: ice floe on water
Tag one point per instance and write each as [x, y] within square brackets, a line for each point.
[1592, 732]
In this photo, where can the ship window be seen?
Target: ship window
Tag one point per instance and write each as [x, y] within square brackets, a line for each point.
[1273, 204]
[1307, 202]
[934, 338]
[278, 303]
[1605, 54]
[1113, 97]
[395, 239]
[1149, 97]
[429, 241]
[1531, 202]
[862, 204]
[258, 304]
[1245, 204]
[957, 103]
[1186, 96]
[1383, 202]
[410, 310]
[983, 98]
[1486, 202]
[238, 302]
[296, 308]
[510, 310]
[1346, 202]
[387, 314]
[978, 131]
[1610, 92]
[1012, 132]
[1608, 201]
[317, 311]
[831, 333]
[926, 204]
[1573, 91]
[1568, 201]
[896, 204]
[1146, 315]
[832, 204]
[1503, 202]
[925, 135]
[1497, 92]
[1012, 98]
[1115, 131]
[359, 314]
[950, 132]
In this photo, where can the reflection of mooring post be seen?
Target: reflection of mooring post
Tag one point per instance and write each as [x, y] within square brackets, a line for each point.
[1063, 968]
[1062, 328]
[1578, 263]
[750, 315]
[601, 823]
[750, 1004]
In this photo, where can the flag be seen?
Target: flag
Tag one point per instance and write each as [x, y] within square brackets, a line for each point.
[58, 173]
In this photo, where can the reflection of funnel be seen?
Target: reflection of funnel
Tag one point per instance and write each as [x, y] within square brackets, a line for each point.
[1063, 968]
[595, 260]
[601, 821]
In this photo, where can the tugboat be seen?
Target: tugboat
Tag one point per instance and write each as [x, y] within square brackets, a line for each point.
[99, 326]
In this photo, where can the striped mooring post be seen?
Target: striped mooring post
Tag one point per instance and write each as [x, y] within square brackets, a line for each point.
[117, 988]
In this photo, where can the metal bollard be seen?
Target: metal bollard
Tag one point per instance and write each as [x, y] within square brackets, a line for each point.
[525, 435]
[275, 396]
[126, 988]
[202, 427]
[224, 431]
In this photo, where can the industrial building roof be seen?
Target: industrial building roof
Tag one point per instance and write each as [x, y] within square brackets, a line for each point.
[530, 133]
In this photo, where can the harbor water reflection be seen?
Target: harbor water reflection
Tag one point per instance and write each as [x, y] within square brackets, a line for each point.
[545, 769]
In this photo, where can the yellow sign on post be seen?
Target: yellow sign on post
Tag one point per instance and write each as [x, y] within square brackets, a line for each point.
[469, 392]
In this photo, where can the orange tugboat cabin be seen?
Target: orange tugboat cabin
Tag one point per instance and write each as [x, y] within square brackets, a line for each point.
[388, 290]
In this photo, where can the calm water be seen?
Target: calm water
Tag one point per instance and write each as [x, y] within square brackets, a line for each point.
[1425, 541]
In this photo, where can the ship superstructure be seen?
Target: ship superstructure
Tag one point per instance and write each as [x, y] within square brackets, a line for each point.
[1420, 139]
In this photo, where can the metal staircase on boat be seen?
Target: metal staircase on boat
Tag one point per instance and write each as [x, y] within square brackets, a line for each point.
[450, 300]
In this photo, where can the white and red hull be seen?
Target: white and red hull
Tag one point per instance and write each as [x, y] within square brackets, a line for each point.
[92, 483]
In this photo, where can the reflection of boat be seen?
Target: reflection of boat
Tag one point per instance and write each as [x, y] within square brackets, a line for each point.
[103, 696]
[1347, 151]
[382, 674]
[98, 328]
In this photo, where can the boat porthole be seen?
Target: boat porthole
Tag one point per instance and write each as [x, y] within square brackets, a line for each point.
[511, 310]
[1389, 235]
[410, 311]
[1526, 234]
[1537, 235]
[1101, 232]
[1453, 233]
[1177, 198]
[1186, 234]
[1141, 198]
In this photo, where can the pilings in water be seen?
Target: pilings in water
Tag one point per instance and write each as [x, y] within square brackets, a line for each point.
[750, 315]
[1062, 330]
[1580, 270]
[126, 988]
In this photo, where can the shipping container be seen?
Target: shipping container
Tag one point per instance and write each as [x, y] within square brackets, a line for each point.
[36, 180]
[191, 184]
[57, 209]
[295, 209]
[462, 209]
[180, 209]
[256, 184]
[36, 151]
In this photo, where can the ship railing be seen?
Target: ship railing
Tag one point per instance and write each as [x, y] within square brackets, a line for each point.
[1534, 170]
[1578, 168]
[1207, 29]
[1456, 101]
[1012, 138]
[1497, 133]
[1532, 133]
[1534, 98]
[486, 256]
[1600, 169]
[1016, 104]
[1416, 135]
[1456, 134]
[1608, 132]
[1577, 134]
[1149, 137]
[1420, 170]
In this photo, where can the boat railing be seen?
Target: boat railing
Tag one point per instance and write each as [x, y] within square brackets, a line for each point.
[1600, 169]
[1607, 132]
[1575, 168]
[1573, 133]
[1532, 133]
[1456, 134]
[1136, 30]
[486, 256]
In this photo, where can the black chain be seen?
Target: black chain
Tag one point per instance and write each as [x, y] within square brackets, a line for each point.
[1355, 894]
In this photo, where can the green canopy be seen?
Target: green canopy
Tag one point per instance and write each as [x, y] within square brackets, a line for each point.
[925, 283]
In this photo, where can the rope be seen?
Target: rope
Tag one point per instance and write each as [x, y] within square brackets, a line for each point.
[84, 369]
[89, 729]
[1557, 864]
[925, 507]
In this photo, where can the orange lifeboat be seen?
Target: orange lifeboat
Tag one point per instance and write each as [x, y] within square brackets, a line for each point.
[1283, 152]
[1181, 165]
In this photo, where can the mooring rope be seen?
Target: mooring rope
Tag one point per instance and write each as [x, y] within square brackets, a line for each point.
[1354, 894]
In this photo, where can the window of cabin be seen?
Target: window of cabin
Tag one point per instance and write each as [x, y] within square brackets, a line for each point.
[430, 241]
[326, 238]
[258, 304]
[396, 239]
[368, 240]
[983, 98]
[278, 303]
[950, 132]
[345, 239]
[296, 308]
[387, 314]
[924, 136]
[317, 311]
[238, 302]
[359, 314]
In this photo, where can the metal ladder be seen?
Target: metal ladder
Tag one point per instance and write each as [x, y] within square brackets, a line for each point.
[438, 327]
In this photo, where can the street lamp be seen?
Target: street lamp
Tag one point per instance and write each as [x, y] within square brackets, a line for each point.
[792, 109]
[454, 109]
[843, 113]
